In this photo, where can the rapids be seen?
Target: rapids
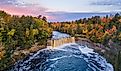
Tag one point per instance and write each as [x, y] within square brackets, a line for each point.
[68, 57]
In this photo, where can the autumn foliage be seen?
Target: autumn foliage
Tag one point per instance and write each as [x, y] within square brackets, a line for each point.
[20, 33]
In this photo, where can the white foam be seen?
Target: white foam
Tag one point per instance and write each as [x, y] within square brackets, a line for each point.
[58, 58]
[85, 50]
[109, 67]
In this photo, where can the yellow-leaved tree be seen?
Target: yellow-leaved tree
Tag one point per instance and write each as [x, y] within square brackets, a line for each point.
[11, 33]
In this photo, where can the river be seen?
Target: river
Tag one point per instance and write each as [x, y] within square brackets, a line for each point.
[67, 57]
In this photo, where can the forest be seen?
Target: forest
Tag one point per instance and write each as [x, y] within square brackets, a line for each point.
[97, 29]
[21, 32]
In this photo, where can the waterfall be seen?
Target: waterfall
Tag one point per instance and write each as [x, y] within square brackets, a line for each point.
[65, 55]
[59, 39]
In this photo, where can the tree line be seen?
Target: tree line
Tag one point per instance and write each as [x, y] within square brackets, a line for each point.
[98, 29]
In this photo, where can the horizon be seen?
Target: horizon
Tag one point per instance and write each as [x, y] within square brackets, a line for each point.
[70, 16]
[54, 9]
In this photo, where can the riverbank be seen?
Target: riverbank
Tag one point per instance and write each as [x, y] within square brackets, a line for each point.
[110, 53]
[20, 54]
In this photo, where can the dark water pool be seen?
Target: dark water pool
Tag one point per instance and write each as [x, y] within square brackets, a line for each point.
[69, 57]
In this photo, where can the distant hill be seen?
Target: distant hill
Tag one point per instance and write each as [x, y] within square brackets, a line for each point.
[66, 16]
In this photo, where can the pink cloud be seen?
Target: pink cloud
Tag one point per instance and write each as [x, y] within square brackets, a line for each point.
[50, 17]
[29, 10]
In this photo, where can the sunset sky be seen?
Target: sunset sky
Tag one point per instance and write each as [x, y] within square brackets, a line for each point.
[48, 7]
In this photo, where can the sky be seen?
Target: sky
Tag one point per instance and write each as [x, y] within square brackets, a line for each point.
[50, 8]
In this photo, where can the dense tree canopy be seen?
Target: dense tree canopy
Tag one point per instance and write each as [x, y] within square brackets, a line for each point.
[20, 32]
[98, 29]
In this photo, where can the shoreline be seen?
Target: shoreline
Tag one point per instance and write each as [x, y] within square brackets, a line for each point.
[109, 53]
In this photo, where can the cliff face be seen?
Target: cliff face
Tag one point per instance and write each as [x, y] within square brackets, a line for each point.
[57, 42]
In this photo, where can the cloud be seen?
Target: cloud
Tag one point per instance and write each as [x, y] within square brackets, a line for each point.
[7, 2]
[22, 7]
[16, 10]
[22, 3]
[108, 5]
[108, 2]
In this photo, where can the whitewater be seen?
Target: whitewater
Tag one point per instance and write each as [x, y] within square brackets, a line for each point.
[67, 57]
